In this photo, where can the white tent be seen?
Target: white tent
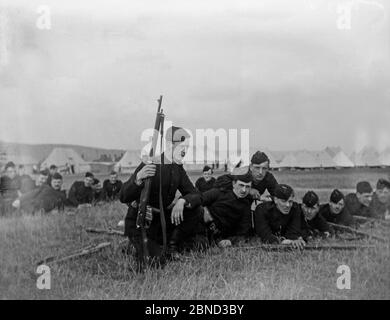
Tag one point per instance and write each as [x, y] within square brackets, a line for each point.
[342, 161]
[306, 159]
[333, 151]
[324, 160]
[367, 157]
[289, 161]
[129, 161]
[384, 157]
[62, 156]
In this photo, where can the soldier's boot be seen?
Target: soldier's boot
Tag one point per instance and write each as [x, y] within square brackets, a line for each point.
[174, 243]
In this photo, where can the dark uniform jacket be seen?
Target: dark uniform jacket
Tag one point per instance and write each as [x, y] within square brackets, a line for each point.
[378, 209]
[80, 194]
[268, 183]
[26, 183]
[43, 197]
[270, 223]
[174, 178]
[9, 188]
[111, 190]
[343, 218]
[355, 207]
[232, 215]
[309, 228]
[202, 185]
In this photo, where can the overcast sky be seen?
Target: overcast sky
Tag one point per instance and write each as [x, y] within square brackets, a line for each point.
[283, 69]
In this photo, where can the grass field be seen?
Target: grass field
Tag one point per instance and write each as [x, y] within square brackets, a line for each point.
[216, 274]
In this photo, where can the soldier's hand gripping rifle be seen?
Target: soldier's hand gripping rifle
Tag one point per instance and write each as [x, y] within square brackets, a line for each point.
[144, 211]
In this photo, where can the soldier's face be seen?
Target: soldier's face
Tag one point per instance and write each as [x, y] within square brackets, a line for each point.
[41, 180]
[10, 172]
[284, 206]
[364, 198]
[88, 181]
[336, 208]
[310, 212]
[179, 150]
[56, 184]
[53, 171]
[207, 175]
[241, 188]
[113, 178]
[259, 170]
[383, 195]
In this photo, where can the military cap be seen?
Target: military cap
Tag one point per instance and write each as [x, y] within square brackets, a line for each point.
[363, 187]
[259, 157]
[310, 199]
[382, 183]
[283, 191]
[336, 196]
[57, 176]
[206, 168]
[243, 174]
[89, 175]
[9, 164]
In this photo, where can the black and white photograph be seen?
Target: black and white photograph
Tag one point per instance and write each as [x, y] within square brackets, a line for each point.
[194, 155]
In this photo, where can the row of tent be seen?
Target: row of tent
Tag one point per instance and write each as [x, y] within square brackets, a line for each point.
[331, 157]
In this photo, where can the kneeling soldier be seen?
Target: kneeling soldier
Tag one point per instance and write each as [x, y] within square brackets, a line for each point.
[173, 178]
[279, 221]
[312, 222]
[335, 211]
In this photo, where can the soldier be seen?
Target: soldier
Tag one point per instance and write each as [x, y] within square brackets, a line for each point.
[42, 178]
[9, 188]
[312, 223]
[380, 204]
[335, 211]
[358, 204]
[81, 193]
[224, 213]
[263, 179]
[111, 187]
[279, 221]
[97, 190]
[173, 178]
[206, 182]
[26, 182]
[44, 198]
[52, 170]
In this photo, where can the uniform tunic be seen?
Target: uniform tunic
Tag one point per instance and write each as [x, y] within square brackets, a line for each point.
[80, 194]
[343, 218]
[43, 197]
[232, 215]
[110, 190]
[270, 223]
[356, 208]
[378, 208]
[311, 227]
[202, 185]
[174, 178]
[268, 183]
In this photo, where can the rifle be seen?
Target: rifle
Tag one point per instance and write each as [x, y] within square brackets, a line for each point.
[106, 231]
[357, 232]
[78, 253]
[142, 222]
[372, 220]
[310, 247]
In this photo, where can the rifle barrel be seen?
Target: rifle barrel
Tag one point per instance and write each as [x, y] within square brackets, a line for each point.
[366, 234]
